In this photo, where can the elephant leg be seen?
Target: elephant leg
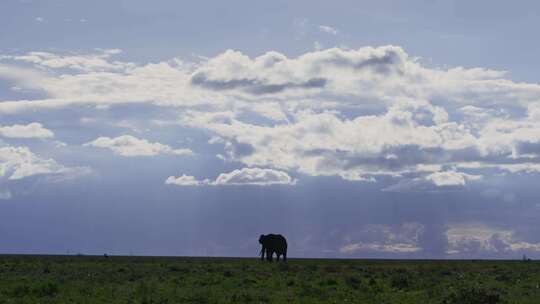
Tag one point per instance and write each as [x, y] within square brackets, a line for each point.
[277, 256]
[285, 257]
[269, 254]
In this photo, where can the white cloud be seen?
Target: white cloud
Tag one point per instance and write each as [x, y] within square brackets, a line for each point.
[326, 144]
[436, 181]
[328, 29]
[477, 239]
[127, 145]
[254, 176]
[87, 63]
[19, 162]
[25, 78]
[32, 130]
[357, 114]
[185, 180]
[377, 247]
[39, 19]
[327, 78]
[450, 178]
[244, 176]
[376, 238]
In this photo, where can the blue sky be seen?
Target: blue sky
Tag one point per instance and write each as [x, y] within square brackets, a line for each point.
[354, 128]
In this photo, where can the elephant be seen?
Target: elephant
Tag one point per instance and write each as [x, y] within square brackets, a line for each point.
[273, 243]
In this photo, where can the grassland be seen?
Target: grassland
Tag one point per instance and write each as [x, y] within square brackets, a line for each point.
[73, 279]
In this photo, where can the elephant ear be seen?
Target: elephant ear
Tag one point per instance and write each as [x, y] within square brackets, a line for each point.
[261, 238]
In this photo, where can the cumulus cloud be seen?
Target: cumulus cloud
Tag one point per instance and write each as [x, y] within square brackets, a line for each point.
[377, 247]
[354, 113]
[82, 62]
[378, 238]
[254, 176]
[479, 240]
[127, 145]
[450, 178]
[244, 176]
[31, 130]
[185, 180]
[362, 77]
[324, 143]
[436, 181]
[19, 162]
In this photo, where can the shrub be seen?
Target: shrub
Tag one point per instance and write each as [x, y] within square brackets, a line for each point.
[283, 267]
[46, 289]
[473, 295]
[20, 291]
[331, 282]
[503, 278]
[353, 282]
[331, 269]
[242, 298]
[399, 281]
[446, 272]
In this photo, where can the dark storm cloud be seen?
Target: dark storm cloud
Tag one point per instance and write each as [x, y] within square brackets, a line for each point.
[253, 86]
[384, 64]
[394, 158]
[406, 157]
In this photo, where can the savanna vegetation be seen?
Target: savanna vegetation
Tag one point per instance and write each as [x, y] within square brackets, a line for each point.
[85, 279]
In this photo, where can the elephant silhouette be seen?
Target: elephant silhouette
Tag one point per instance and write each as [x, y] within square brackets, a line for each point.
[273, 243]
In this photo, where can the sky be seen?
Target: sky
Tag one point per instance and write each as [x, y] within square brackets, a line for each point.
[357, 129]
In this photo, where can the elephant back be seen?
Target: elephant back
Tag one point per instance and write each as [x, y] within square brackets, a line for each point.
[276, 241]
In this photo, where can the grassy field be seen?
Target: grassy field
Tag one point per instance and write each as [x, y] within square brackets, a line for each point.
[72, 279]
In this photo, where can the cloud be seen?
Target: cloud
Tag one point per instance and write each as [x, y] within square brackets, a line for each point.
[32, 130]
[23, 77]
[328, 29]
[244, 176]
[374, 77]
[436, 181]
[377, 247]
[130, 146]
[19, 162]
[379, 238]
[185, 180]
[473, 239]
[360, 114]
[254, 86]
[254, 176]
[409, 134]
[450, 178]
[86, 63]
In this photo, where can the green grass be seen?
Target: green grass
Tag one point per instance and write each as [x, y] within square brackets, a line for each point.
[71, 279]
